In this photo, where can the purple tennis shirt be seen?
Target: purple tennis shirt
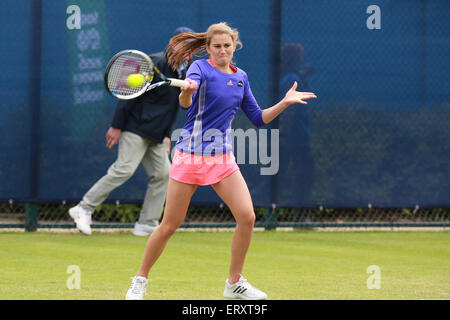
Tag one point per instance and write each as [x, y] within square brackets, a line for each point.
[219, 95]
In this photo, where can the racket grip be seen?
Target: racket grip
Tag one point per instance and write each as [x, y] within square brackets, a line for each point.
[177, 82]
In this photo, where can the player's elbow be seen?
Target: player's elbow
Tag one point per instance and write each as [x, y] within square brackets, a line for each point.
[260, 121]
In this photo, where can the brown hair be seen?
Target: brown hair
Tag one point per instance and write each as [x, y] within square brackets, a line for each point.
[184, 46]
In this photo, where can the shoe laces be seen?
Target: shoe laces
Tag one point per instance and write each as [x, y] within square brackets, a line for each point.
[243, 282]
[138, 285]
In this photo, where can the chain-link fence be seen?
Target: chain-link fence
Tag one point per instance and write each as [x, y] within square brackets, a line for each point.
[376, 138]
[33, 217]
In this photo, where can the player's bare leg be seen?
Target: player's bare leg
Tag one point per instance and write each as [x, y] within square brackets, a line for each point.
[234, 192]
[177, 202]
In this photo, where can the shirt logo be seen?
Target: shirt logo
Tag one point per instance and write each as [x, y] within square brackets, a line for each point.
[230, 83]
[240, 84]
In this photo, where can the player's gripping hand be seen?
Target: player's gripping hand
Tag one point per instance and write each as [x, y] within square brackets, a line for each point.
[187, 92]
[190, 88]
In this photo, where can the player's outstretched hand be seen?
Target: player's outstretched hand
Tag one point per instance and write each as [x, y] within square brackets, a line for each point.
[293, 96]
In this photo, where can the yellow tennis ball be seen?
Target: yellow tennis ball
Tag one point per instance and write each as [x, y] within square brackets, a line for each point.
[135, 80]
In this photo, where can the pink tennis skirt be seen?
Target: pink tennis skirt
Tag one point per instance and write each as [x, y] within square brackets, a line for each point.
[202, 170]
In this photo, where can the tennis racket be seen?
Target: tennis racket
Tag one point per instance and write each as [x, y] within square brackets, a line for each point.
[128, 62]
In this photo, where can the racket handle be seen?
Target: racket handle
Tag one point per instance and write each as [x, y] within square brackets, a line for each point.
[177, 82]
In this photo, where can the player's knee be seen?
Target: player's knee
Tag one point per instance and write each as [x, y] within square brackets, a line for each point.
[168, 229]
[248, 219]
[252, 219]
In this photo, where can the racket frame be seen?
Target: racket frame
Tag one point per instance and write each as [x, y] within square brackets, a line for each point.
[148, 82]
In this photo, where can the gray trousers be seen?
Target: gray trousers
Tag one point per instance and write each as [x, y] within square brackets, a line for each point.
[132, 151]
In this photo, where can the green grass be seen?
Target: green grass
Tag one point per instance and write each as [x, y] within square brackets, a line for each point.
[287, 265]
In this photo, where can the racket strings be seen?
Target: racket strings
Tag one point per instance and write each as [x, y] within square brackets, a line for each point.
[122, 67]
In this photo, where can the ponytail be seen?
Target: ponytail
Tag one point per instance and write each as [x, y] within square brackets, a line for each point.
[184, 46]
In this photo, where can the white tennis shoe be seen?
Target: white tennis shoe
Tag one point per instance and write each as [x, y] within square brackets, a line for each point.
[82, 218]
[243, 290]
[137, 289]
[141, 229]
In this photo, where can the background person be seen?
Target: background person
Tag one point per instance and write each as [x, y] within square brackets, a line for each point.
[142, 127]
[297, 133]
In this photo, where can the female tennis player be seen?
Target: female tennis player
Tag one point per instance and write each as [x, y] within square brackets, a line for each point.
[215, 92]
